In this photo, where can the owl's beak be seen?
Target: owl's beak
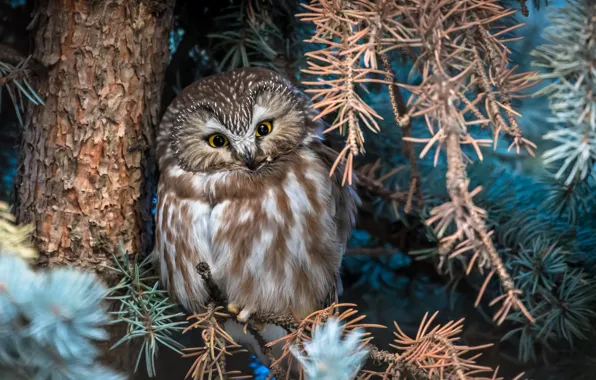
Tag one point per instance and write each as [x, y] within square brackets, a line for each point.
[249, 161]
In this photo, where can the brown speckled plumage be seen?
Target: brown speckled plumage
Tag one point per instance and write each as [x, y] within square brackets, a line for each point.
[273, 233]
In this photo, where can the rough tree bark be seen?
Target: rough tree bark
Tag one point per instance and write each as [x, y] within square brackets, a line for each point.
[87, 163]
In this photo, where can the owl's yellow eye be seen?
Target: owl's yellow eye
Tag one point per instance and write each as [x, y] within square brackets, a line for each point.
[217, 140]
[264, 128]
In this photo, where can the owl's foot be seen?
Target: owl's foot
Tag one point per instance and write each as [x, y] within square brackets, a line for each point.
[244, 315]
[233, 308]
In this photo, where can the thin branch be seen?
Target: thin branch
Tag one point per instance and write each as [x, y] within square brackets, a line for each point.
[402, 119]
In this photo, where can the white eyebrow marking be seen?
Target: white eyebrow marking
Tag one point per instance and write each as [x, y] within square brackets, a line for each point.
[214, 125]
[259, 112]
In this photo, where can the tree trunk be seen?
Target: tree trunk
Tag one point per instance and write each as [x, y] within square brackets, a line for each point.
[87, 166]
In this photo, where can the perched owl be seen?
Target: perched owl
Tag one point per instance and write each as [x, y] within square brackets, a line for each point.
[245, 187]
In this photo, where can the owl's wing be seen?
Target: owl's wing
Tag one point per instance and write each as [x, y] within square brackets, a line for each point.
[346, 203]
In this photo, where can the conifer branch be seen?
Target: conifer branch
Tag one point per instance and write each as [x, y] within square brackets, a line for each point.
[435, 351]
[430, 356]
[15, 79]
[340, 26]
[569, 57]
[145, 309]
[439, 99]
[211, 358]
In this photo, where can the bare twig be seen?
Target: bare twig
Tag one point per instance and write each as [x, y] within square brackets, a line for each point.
[402, 119]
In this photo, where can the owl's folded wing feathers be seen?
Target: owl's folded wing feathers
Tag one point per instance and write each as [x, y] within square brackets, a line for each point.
[346, 204]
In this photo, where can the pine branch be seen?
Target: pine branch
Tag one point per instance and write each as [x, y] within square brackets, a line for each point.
[14, 75]
[145, 309]
[247, 35]
[369, 182]
[502, 79]
[434, 349]
[438, 98]
[539, 253]
[395, 367]
[217, 345]
[569, 57]
[15, 80]
[339, 28]
[212, 289]
[301, 339]
[13, 57]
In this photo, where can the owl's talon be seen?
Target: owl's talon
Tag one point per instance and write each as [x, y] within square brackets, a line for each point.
[233, 308]
[244, 315]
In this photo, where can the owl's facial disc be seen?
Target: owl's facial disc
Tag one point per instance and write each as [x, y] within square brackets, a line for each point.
[252, 132]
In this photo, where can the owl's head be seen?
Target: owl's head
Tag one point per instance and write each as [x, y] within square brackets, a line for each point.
[244, 119]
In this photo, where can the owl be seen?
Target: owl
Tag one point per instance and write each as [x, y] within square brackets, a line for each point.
[245, 187]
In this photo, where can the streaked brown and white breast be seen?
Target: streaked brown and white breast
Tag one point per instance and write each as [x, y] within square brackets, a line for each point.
[274, 241]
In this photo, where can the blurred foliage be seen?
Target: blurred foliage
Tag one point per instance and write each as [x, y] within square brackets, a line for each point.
[51, 321]
[572, 69]
[15, 3]
[14, 239]
[328, 356]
